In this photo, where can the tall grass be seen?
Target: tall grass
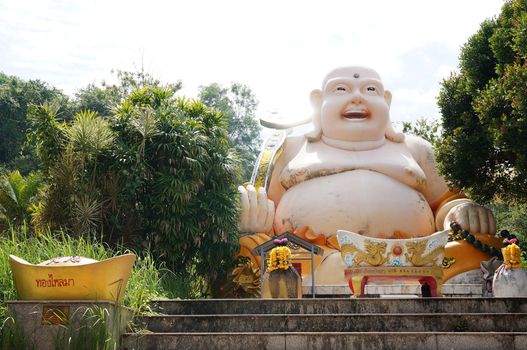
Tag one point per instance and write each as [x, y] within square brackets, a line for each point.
[95, 329]
[12, 337]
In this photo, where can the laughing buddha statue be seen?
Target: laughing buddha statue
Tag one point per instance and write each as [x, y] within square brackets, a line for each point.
[354, 172]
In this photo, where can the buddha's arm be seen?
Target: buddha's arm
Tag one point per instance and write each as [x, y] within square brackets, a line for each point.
[446, 203]
[275, 190]
[258, 203]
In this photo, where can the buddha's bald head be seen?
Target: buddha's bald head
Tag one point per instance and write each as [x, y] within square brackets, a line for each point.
[356, 72]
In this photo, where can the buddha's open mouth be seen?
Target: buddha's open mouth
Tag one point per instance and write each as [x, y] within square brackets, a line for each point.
[355, 114]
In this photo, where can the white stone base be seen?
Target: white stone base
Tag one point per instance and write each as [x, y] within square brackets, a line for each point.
[469, 277]
[397, 290]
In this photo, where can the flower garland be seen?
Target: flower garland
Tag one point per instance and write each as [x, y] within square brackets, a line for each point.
[280, 257]
[512, 256]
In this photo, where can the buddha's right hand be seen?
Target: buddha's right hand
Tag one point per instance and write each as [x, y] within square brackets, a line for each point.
[257, 211]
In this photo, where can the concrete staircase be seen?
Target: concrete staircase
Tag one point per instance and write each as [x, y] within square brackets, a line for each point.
[375, 323]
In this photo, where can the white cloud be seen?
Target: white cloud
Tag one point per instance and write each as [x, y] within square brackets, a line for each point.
[281, 49]
[412, 104]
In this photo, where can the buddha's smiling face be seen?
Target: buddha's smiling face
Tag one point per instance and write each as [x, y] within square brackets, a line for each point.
[353, 105]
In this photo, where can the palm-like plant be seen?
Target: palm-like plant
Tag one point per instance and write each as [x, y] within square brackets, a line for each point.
[54, 208]
[72, 199]
[86, 214]
[47, 133]
[17, 195]
[90, 134]
[145, 122]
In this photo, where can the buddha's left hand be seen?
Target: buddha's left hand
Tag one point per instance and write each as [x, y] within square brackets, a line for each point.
[473, 217]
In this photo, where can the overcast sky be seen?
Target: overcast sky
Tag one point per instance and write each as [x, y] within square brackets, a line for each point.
[280, 49]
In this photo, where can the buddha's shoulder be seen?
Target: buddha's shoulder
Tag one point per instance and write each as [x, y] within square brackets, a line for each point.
[292, 146]
[295, 141]
[419, 147]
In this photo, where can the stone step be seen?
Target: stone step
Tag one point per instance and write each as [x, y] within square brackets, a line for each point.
[432, 322]
[325, 341]
[340, 306]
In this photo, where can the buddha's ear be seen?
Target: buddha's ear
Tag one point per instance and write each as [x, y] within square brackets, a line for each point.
[316, 102]
[316, 99]
[388, 97]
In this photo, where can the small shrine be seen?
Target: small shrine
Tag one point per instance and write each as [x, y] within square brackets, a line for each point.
[301, 250]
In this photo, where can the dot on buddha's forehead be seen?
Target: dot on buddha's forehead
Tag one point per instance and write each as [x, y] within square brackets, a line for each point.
[356, 75]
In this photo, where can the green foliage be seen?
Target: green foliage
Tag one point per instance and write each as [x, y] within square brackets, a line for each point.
[184, 284]
[16, 97]
[428, 129]
[17, 196]
[238, 104]
[89, 135]
[72, 156]
[130, 81]
[477, 60]
[484, 108]
[511, 217]
[157, 173]
[99, 99]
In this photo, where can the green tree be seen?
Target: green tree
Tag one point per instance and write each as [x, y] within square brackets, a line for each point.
[96, 98]
[184, 179]
[16, 97]
[484, 111]
[238, 104]
[102, 98]
[428, 129]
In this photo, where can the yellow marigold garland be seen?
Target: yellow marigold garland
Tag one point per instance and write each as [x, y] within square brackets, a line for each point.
[280, 258]
[512, 256]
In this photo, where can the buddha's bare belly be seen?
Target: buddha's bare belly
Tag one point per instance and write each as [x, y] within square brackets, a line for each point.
[361, 201]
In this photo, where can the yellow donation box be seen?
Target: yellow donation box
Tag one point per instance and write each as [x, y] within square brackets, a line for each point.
[72, 278]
